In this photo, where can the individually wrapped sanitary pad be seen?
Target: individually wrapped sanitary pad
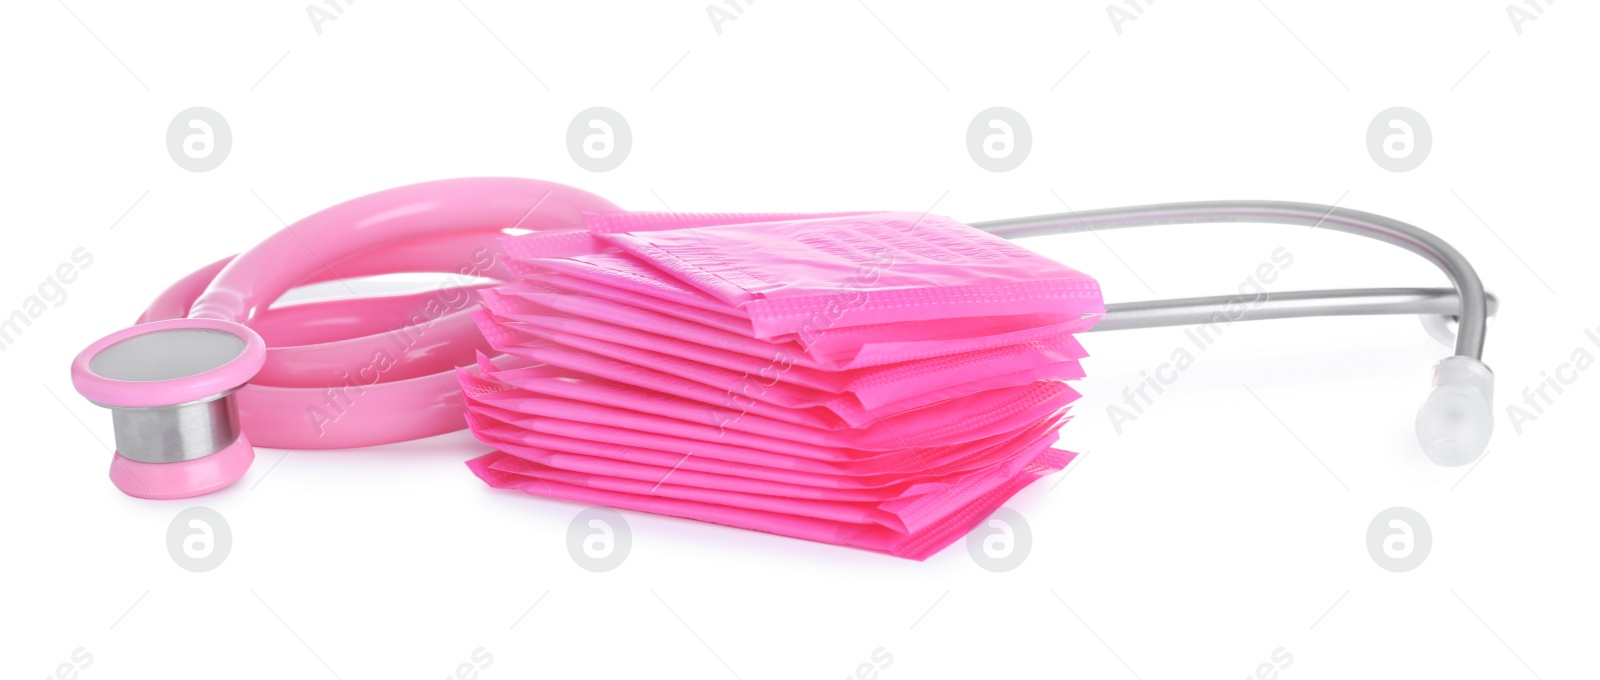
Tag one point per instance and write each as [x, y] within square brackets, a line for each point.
[877, 380]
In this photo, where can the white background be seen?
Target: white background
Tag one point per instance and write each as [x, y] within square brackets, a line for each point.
[1195, 543]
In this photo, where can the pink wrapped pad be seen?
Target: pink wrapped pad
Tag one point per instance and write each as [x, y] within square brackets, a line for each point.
[498, 403]
[861, 270]
[855, 398]
[876, 380]
[948, 525]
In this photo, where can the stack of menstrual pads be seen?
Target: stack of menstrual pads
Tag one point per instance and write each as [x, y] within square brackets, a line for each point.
[877, 380]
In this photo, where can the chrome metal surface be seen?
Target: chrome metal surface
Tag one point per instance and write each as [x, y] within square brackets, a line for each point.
[172, 434]
[1286, 305]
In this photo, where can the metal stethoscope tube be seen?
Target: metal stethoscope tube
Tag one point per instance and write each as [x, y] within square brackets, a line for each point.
[1440, 302]
[1473, 311]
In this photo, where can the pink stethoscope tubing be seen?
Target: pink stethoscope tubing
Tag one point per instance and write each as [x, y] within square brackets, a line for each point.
[365, 371]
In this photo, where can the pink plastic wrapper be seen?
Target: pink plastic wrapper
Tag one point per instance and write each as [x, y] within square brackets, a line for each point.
[744, 379]
[508, 430]
[857, 347]
[621, 406]
[875, 380]
[904, 514]
[812, 416]
[861, 270]
[566, 242]
[904, 507]
[946, 524]
[658, 466]
[550, 394]
[843, 315]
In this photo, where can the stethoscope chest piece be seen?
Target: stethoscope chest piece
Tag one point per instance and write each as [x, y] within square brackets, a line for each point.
[170, 386]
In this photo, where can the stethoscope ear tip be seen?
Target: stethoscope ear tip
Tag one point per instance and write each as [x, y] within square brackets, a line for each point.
[170, 386]
[1455, 423]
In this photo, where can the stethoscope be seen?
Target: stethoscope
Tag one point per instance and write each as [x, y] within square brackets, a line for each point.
[212, 368]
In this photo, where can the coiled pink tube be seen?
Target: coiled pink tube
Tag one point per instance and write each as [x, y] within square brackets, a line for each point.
[374, 370]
